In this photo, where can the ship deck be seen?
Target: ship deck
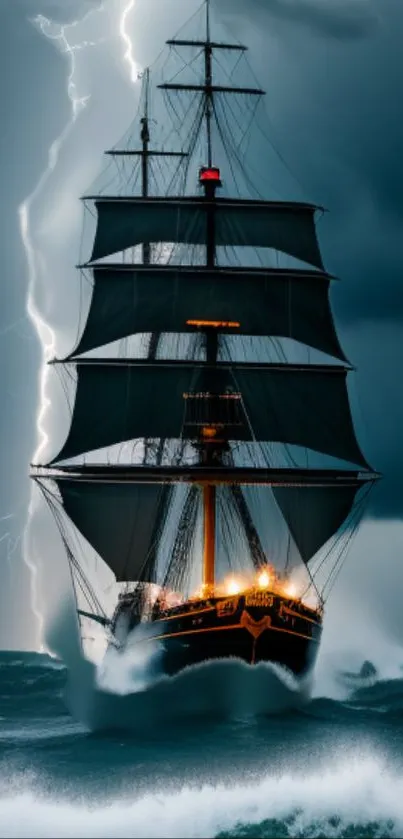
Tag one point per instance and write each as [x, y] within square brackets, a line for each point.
[253, 626]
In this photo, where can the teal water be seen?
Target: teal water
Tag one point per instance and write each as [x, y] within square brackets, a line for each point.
[209, 754]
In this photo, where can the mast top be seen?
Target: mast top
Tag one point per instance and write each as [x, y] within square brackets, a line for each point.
[145, 151]
[208, 89]
[214, 45]
[208, 21]
[145, 133]
[186, 42]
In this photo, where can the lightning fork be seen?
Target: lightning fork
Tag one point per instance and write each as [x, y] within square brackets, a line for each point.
[44, 331]
[128, 56]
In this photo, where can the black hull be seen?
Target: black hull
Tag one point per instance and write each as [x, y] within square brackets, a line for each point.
[252, 628]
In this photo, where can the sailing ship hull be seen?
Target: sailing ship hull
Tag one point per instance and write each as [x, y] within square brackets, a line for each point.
[252, 627]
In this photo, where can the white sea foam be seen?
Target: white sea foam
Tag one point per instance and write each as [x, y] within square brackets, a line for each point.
[132, 670]
[229, 689]
[129, 691]
[358, 793]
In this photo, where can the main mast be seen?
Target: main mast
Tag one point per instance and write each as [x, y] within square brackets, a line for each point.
[209, 446]
[210, 185]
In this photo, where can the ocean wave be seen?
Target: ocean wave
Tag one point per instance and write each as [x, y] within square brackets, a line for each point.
[276, 772]
[129, 692]
[28, 658]
[217, 689]
[122, 694]
[355, 799]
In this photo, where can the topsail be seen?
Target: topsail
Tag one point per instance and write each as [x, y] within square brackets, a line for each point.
[126, 222]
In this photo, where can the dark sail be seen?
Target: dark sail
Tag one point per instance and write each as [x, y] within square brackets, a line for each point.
[127, 300]
[297, 404]
[126, 222]
[314, 514]
[121, 522]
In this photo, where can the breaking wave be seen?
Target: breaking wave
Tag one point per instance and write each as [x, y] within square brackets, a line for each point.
[136, 760]
[358, 799]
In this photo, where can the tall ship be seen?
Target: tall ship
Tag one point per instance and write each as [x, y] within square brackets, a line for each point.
[238, 481]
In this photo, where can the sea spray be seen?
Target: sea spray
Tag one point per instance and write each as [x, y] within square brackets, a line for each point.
[129, 691]
[132, 669]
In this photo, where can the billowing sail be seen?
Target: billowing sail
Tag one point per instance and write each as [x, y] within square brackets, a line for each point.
[314, 514]
[128, 300]
[126, 222]
[123, 400]
[122, 522]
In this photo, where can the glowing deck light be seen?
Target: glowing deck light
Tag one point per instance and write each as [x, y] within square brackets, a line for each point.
[233, 586]
[290, 590]
[209, 432]
[264, 579]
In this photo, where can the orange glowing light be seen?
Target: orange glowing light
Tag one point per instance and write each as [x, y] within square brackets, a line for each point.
[216, 324]
[264, 579]
[290, 590]
[232, 586]
[209, 431]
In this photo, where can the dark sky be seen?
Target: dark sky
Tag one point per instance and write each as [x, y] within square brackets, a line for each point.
[333, 70]
[341, 128]
[338, 71]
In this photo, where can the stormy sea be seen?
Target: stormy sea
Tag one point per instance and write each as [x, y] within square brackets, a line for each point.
[219, 751]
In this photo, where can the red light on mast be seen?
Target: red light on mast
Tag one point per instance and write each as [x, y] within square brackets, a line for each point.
[210, 174]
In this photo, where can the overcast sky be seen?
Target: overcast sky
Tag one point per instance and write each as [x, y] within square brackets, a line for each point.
[333, 71]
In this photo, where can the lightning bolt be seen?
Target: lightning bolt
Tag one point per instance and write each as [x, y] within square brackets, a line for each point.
[129, 54]
[58, 33]
[61, 35]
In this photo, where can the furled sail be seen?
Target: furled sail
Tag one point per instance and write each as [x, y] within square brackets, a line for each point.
[120, 521]
[126, 222]
[314, 514]
[305, 405]
[275, 302]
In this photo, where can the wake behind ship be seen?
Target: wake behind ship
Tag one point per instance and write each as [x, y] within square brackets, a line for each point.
[222, 495]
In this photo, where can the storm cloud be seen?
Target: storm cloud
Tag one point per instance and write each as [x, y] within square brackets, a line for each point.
[334, 106]
[332, 18]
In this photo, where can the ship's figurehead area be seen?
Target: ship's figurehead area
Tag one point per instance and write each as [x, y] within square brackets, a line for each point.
[259, 623]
